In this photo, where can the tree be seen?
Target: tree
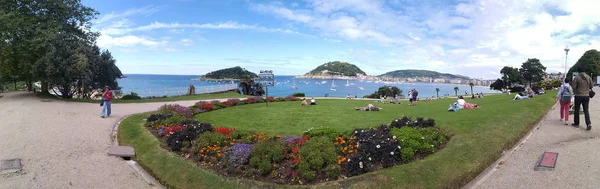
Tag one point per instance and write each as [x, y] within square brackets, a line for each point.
[386, 91]
[532, 70]
[510, 75]
[437, 91]
[471, 84]
[456, 91]
[497, 85]
[589, 61]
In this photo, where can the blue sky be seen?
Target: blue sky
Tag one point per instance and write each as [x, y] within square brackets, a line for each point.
[475, 38]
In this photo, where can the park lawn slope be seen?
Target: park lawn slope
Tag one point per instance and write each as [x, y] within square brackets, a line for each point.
[479, 137]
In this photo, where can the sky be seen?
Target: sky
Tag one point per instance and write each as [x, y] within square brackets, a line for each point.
[475, 38]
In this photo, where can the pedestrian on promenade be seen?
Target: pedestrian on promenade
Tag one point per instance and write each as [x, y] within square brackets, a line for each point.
[582, 83]
[564, 96]
[107, 96]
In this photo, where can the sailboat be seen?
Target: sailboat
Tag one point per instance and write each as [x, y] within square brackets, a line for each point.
[333, 86]
[347, 83]
[361, 88]
[295, 86]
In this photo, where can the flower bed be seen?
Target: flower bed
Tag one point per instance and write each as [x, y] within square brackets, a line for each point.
[319, 155]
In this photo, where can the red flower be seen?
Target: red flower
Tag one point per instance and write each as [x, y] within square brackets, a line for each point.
[295, 173]
[224, 130]
[295, 150]
[205, 106]
[228, 103]
[249, 101]
[270, 99]
[285, 154]
[296, 160]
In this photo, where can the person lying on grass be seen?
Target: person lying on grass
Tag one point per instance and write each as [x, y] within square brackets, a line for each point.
[369, 107]
[304, 102]
[462, 104]
[521, 96]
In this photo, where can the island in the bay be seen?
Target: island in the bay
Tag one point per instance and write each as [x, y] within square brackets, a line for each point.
[228, 74]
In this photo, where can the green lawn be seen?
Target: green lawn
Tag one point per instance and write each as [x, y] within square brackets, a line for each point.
[168, 99]
[479, 136]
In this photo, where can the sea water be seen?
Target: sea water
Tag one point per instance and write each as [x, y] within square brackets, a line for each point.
[154, 85]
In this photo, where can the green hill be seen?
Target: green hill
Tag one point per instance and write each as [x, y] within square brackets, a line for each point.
[421, 73]
[229, 73]
[336, 68]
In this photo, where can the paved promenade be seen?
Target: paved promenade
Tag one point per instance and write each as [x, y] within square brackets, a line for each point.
[578, 164]
[64, 144]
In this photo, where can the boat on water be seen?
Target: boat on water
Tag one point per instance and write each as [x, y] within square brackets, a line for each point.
[347, 83]
[323, 82]
[361, 87]
[333, 86]
[295, 86]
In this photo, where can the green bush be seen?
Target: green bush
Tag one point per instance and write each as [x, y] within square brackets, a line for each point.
[206, 139]
[265, 153]
[131, 96]
[239, 134]
[219, 105]
[176, 119]
[299, 95]
[333, 171]
[330, 133]
[423, 140]
[316, 154]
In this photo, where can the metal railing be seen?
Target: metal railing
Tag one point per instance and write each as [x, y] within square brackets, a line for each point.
[178, 91]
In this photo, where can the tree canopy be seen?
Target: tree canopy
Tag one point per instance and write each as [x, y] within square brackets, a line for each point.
[589, 61]
[50, 41]
[510, 76]
[497, 85]
[337, 68]
[389, 91]
[532, 70]
[230, 73]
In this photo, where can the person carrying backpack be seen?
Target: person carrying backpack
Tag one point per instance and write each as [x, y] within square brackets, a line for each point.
[564, 96]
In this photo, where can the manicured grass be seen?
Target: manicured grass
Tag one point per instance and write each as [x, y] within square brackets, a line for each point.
[168, 99]
[479, 137]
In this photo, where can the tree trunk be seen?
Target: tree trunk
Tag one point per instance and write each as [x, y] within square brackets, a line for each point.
[15, 82]
[44, 88]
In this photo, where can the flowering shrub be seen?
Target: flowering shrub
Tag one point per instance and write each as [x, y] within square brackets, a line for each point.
[256, 99]
[270, 99]
[376, 146]
[182, 135]
[205, 106]
[346, 147]
[265, 153]
[199, 110]
[291, 98]
[331, 133]
[228, 103]
[219, 105]
[210, 144]
[238, 154]
[314, 155]
[224, 130]
[249, 101]
[407, 121]
[233, 101]
[158, 117]
[183, 111]
[414, 141]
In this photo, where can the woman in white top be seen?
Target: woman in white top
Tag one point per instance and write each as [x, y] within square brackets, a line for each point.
[313, 101]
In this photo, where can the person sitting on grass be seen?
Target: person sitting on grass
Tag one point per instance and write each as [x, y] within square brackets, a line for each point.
[313, 101]
[462, 104]
[304, 102]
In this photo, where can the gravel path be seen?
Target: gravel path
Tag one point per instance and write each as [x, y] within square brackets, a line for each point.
[64, 144]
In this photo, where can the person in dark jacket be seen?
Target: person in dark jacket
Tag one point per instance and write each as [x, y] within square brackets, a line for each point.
[582, 84]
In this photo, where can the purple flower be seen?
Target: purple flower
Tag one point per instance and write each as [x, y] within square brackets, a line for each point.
[234, 101]
[291, 139]
[183, 111]
[255, 98]
[199, 111]
[161, 131]
[238, 154]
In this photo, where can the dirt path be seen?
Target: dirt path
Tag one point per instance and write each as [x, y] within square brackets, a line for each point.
[64, 144]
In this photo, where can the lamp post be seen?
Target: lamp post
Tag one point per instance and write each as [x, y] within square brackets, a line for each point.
[566, 55]
[267, 79]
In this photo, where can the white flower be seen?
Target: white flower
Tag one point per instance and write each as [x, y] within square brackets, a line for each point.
[402, 140]
[432, 145]
[396, 120]
[392, 153]
[423, 138]
[394, 137]
[355, 131]
[362, 131]
[360, 164]
[369, 158]
[399, 147]
[388, 138]
[378, 146]
[348, 160]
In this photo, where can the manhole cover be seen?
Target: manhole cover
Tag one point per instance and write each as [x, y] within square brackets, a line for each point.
[10, 164]
[548, 161]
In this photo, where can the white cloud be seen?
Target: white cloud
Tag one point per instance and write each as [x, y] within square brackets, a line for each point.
[147, 10]
[461, 38]
[106, 41]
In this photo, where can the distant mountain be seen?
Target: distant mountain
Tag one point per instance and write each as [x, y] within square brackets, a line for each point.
[336, 68]
[229, 73]
[421, 73]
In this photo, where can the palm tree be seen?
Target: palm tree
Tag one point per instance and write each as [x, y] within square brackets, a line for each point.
[471, 84]
[437, 92]
[456, 91]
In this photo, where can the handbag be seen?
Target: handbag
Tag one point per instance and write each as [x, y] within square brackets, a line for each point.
[592, 93]
[102, 102]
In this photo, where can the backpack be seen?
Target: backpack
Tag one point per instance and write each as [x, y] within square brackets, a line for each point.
[566, 94]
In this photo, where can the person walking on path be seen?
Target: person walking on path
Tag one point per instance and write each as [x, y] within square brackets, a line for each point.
[107, 96]
[582, 84]
[564, 96]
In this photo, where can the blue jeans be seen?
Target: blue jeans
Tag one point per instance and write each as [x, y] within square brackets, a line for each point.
[105, 109]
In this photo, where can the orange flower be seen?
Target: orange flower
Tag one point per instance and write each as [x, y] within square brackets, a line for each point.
[350, 151]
